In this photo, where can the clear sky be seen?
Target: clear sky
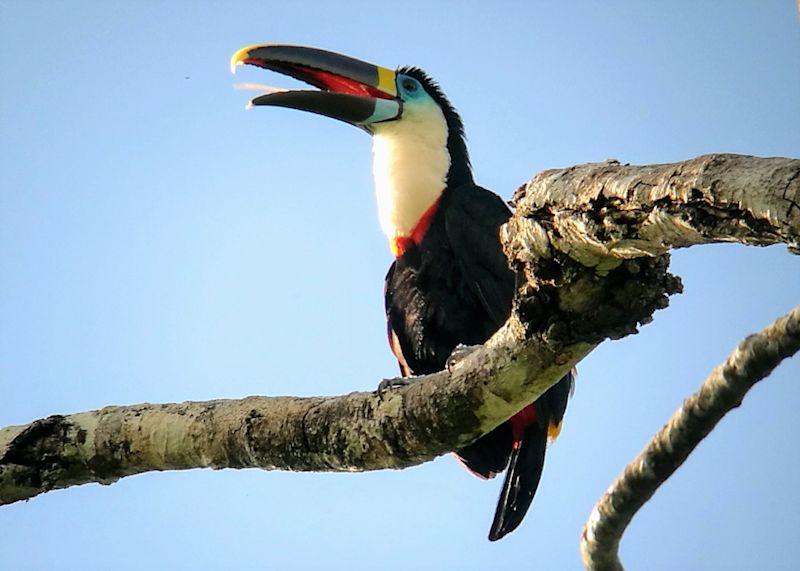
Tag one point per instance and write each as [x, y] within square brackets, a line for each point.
[158, 243]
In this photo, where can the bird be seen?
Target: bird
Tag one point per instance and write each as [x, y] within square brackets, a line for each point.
[450, 284]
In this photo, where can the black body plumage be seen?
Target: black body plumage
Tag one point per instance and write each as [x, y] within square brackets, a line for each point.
[455, 288]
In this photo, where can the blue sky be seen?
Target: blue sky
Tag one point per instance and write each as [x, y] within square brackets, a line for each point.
[158, 243]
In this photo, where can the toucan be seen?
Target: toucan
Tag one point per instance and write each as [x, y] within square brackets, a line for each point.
[450, 283]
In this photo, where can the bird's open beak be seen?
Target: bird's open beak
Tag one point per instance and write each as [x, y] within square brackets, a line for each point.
[353, 91]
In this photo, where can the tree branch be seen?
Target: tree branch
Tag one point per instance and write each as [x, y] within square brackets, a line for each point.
[724, 390]
[604, 213]
[589, 244]
[354, 432]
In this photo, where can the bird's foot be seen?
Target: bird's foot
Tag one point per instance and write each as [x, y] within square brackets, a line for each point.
[388, 384]
[458, 355]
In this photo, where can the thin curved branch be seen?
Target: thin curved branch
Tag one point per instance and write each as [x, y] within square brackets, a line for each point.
[753, 360]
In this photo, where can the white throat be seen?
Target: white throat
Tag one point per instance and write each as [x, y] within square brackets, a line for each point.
[410, 164]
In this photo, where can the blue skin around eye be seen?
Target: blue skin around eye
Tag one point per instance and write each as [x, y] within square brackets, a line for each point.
[386, 110]
[406, 95]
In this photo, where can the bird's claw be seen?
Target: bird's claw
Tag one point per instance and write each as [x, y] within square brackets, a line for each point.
[460, 353]
[388, 384]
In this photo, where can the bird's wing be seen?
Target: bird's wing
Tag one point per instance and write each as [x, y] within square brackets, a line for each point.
[472, 222]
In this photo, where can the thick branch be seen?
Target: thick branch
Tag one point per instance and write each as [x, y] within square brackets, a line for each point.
[439, 413]
[603, 213]
[590, 253]
[724, 390]
[358, 431]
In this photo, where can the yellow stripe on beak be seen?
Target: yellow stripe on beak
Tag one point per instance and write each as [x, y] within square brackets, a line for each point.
[386, 81]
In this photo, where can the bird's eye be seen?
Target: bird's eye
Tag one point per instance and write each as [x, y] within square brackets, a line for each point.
[409, 85]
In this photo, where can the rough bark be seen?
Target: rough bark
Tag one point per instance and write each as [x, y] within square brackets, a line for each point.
[590, 246]
[724, 390]
[358, 431]
[607, 212]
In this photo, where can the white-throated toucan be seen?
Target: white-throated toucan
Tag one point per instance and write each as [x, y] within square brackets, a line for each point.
[450, 283]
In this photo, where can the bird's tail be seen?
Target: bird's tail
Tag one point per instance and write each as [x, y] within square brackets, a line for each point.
[522, 479]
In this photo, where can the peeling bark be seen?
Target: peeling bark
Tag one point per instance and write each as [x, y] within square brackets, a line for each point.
[604, 213]
[589, 245]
